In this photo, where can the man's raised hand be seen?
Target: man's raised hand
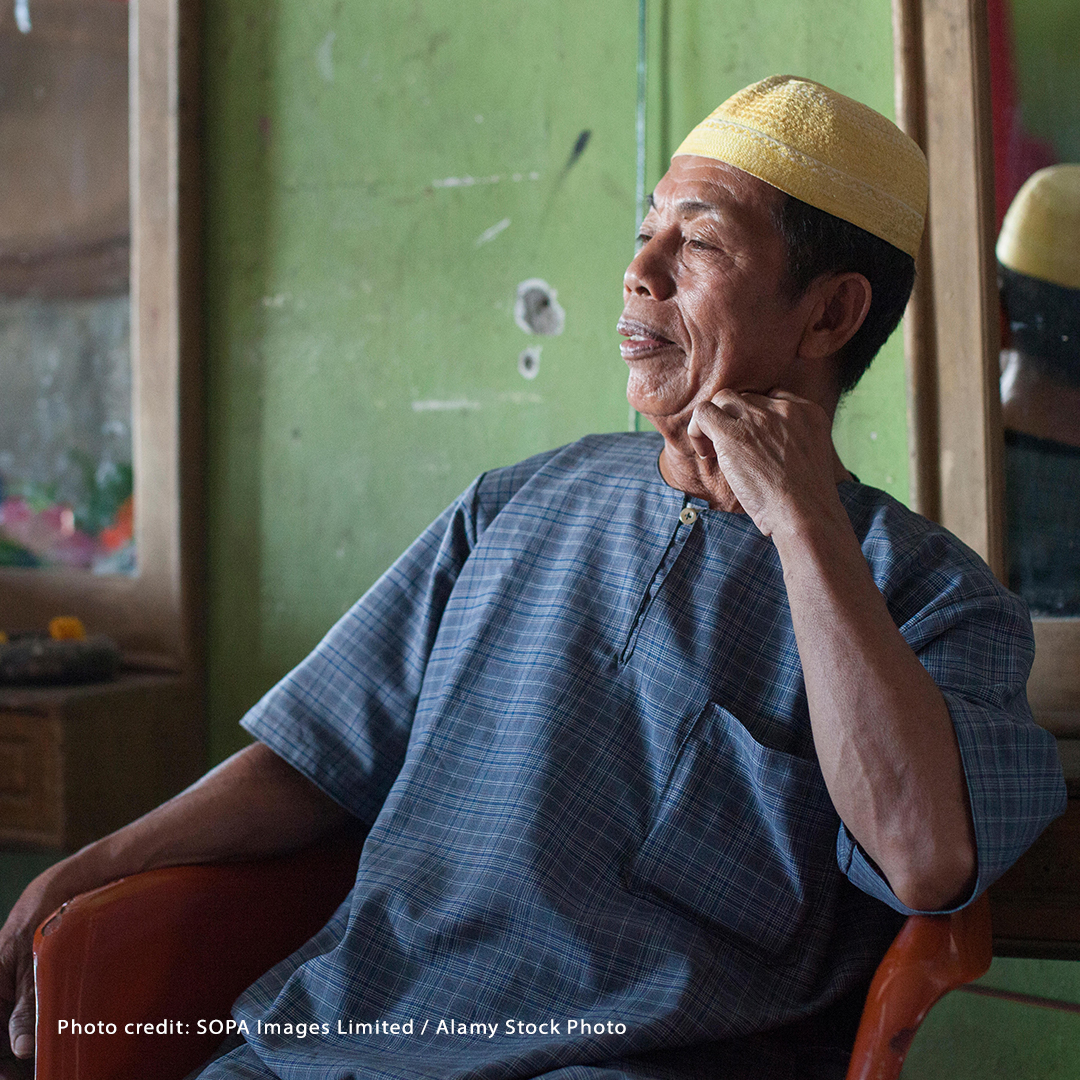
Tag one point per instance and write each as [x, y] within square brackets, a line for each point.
[775, 452]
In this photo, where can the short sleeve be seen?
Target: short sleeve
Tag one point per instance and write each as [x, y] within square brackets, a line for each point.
[342, 717]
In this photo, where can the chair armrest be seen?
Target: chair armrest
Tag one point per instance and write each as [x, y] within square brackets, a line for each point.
[171, 947]
[931, 955]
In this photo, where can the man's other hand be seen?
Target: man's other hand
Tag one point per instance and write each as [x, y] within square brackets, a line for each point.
[41, 898]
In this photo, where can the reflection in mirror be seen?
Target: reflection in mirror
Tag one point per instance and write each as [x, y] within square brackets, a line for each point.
[1035, 86]
[65, 370]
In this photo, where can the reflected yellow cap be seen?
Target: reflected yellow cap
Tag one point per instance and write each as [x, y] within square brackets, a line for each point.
[824, 148]
[1040, 235]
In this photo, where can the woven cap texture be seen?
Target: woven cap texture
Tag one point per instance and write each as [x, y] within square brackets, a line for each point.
[1040, 235]
[824, 148]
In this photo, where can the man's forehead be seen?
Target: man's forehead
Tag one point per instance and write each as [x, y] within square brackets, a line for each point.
[696, 185]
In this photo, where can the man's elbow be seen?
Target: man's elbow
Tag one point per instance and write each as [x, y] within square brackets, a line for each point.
[939, 883]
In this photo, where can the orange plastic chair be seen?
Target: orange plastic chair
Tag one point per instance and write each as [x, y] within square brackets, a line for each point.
[170, 948]
[931, 955]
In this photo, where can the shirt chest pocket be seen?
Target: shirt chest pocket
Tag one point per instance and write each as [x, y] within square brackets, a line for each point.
[744, 838]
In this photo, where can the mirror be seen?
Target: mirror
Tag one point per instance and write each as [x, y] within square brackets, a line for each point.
[1034, 93]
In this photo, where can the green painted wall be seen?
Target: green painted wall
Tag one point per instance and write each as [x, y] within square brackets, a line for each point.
[978, 1038]
[1047, 40]
[379, 180]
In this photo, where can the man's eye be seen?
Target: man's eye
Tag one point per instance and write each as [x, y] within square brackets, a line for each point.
[699, 245]
[641, 240]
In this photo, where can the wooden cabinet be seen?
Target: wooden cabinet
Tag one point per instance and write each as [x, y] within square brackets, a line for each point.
[1035, 907]
[78, 762]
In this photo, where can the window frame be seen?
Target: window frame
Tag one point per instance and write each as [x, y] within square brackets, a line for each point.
[154, 615]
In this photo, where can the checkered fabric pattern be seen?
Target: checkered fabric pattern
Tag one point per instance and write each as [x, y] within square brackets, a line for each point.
[577, 725]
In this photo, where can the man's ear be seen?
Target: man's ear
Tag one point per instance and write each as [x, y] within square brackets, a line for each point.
[841, 304]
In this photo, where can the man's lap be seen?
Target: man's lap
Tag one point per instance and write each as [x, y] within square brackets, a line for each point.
[755, 1058]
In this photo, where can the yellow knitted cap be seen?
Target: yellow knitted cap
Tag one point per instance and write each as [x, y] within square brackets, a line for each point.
[826, 149]
[1040, 235]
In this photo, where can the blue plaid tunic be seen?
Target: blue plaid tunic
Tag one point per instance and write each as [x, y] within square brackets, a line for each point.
[574, 716]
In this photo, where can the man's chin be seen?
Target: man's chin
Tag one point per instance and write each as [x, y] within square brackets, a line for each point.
[659, 409]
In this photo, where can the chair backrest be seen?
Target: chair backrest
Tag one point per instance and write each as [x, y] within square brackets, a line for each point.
[168, 949]
[931, 955]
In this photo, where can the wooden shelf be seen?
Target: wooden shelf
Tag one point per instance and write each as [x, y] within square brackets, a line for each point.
[77, 762]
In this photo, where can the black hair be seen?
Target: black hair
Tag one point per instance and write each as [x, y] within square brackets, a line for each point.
[819, 243]
[1043, 321]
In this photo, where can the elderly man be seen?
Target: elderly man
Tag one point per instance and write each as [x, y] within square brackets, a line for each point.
[657, 736]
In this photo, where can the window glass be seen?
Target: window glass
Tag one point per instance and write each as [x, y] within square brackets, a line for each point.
[65, 368]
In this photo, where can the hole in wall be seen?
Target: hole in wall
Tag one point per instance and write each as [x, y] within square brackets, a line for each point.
[529, 362]
[536, 310]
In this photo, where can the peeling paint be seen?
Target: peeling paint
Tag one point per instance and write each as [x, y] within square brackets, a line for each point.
[474, 181]
[465, 181]
[490, 234]
[464, 404]
[578, 150]
[519, 397]
[454, 405]
[324, 58]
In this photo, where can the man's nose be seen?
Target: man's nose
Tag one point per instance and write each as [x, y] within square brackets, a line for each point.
[651, 273]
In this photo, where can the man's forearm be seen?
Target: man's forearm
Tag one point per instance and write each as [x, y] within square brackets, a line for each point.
[252, 805]
[883, 734]
[882, 730]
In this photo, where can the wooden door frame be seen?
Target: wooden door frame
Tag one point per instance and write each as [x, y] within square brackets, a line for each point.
[952, 330]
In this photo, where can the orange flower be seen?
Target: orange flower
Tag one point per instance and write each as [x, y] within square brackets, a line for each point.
[116, 535]
[66, 628]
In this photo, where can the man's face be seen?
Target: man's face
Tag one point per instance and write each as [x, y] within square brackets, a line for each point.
[704, 303]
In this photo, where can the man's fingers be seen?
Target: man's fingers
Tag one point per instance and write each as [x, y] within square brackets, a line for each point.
[702, 444]
[704, 423]
[710, 419]
[21, 1024]
[731, 403]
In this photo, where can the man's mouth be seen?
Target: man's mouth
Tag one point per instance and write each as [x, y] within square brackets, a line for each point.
[640, 340]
